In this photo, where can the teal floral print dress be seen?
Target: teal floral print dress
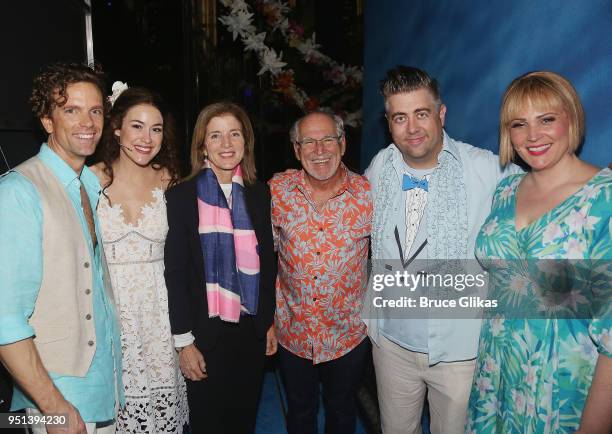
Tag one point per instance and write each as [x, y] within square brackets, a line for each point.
[534, 371]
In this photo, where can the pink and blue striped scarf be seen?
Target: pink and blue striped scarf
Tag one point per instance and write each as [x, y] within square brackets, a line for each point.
[229, 247]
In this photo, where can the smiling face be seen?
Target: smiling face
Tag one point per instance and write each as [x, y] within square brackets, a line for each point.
[540, 135]
[224, 145]
[74, 129]
[320, 158]
[141, 134]
[415, 123]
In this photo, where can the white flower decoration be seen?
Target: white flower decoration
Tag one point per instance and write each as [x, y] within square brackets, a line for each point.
[355, 72]
[117, 88]
[352, 119]
[309, 48]
[255, 42]
[238, 23]
[271, 62]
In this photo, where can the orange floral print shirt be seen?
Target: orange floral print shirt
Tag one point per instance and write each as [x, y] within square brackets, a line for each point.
[322, 274]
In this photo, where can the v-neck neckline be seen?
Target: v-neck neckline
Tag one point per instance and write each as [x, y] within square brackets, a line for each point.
[550, 211]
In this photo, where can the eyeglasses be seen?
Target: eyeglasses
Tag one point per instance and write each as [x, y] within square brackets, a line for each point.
[309, 143]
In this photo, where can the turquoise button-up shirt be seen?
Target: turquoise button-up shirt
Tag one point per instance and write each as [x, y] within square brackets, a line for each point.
[21, 267]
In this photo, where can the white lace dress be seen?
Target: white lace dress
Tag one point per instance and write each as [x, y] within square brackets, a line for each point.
[155, 393]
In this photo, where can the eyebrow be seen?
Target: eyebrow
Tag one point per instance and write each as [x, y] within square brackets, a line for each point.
[232, 130]
[142, 123]
[77, 106]
[543, 115]
[417, 110]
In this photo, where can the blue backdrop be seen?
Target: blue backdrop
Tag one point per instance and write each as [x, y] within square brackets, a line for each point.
[475, 48]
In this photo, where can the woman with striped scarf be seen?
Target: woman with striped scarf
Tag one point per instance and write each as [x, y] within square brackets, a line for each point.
[220, 273]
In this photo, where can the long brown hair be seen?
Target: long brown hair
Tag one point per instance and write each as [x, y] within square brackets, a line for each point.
[108, 148]
[199, 137]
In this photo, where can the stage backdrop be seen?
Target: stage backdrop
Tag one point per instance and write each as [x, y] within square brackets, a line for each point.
[476, 47]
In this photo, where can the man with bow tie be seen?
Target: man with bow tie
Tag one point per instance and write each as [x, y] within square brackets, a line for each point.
[431, 195]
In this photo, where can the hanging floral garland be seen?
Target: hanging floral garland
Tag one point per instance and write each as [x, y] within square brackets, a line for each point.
[239, 22]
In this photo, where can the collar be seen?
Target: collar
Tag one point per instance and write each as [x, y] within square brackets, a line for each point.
[448, 145]
[65, 173]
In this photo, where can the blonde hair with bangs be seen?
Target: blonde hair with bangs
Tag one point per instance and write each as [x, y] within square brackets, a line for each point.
[542, 89]
[199, 137]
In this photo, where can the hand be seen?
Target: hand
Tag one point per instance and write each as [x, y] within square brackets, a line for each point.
[271, 342]
[192, 363]
[74, 422]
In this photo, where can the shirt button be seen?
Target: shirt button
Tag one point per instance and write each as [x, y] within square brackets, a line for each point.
[88, 291]
[90, 343]
[86, 265]
[88, 316]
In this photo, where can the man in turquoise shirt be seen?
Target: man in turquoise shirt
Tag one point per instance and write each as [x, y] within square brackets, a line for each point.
[68, 99]
[431, 195]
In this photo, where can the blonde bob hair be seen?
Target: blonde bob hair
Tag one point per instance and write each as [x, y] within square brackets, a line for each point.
[198, 141]
[543, 89]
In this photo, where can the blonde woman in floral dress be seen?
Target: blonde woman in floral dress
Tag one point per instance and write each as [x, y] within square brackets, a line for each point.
[138, 162]
[539, 373]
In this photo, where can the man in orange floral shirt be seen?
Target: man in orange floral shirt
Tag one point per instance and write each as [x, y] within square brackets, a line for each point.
[322, 220]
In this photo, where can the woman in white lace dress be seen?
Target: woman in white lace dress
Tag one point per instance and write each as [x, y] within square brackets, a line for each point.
[138, 162]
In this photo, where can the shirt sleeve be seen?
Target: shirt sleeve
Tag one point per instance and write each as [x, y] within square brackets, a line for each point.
[274, 216]
[183, 340]
[20, 256]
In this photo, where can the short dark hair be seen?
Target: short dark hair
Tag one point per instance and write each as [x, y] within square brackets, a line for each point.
[49, 87]
[404, 79]
[108, 148]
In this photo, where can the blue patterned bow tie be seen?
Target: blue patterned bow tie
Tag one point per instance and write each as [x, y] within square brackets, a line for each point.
[410, 182]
